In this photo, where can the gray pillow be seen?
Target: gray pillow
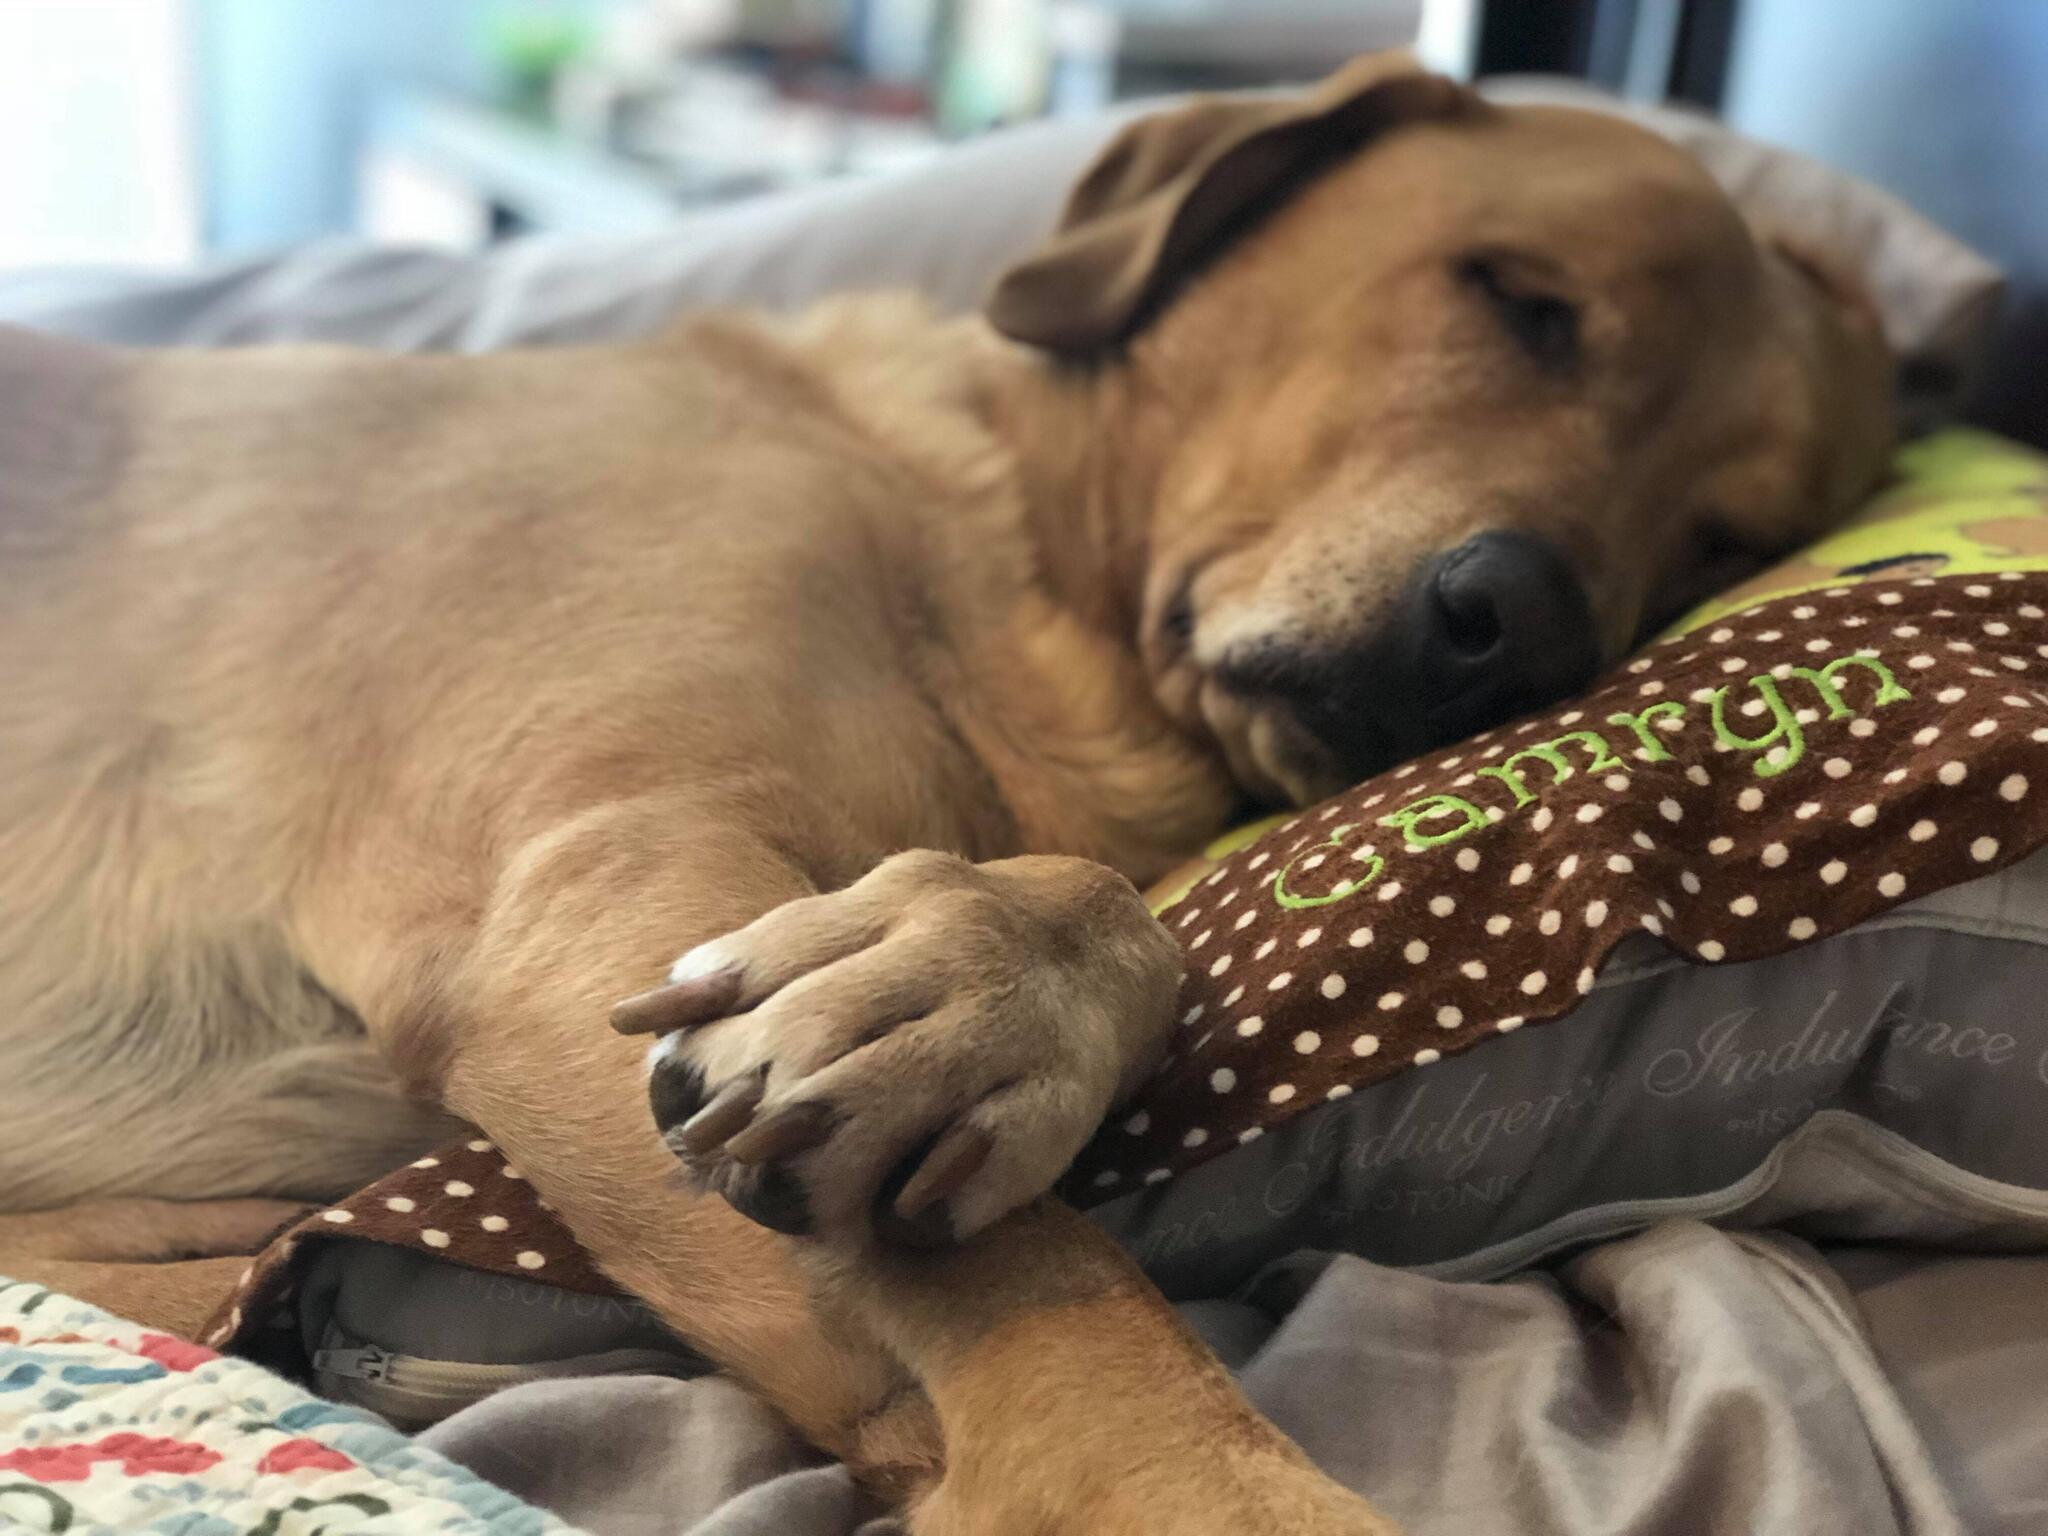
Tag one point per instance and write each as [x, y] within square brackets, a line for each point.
[1885, 1084]
[946, 229]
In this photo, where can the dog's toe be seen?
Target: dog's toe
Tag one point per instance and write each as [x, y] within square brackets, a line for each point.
[913, 1207]
[919, 1139]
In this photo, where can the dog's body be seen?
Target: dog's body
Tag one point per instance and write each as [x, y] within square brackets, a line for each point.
[372, 724]
[562, 645]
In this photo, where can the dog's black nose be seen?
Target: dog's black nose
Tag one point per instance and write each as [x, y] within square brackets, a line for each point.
[1505, 626]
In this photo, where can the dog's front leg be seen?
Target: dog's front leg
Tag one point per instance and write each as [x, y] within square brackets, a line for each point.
[903, 1064]
[502, 1014]
[1074, 1401]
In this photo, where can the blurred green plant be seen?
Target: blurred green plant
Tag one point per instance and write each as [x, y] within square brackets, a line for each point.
[529, 43]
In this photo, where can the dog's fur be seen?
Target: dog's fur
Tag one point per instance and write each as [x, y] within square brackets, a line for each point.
[371, 724]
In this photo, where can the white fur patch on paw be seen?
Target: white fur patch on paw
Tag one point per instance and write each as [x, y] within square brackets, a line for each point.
[701, 961]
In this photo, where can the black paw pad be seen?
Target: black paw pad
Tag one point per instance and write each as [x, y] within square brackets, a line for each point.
[675, 1091]
[768, 1194]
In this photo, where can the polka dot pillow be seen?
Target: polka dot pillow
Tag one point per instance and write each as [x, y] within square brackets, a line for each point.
[465, 1202]
[1866, 724]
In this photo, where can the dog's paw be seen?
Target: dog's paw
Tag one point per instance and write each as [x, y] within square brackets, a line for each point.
[916, 1055]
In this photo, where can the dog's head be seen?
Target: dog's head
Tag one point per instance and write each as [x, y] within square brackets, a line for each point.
[1442, 405]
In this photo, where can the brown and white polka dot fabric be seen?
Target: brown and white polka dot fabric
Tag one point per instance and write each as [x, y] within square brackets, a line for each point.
[1777, 777]
[464, 1202]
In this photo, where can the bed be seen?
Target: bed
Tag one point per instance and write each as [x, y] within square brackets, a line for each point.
[1599, 1329]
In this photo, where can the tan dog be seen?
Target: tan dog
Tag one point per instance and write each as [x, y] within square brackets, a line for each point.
[370, 724]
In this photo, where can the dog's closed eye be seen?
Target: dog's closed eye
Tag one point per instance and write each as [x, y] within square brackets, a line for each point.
[1542, 324]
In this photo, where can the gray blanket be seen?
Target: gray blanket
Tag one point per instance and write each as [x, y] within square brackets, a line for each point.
[1683, 1382]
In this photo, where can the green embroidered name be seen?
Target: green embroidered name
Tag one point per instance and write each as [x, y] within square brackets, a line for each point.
[1785, 743]
[1776, 700]
[1313, 858]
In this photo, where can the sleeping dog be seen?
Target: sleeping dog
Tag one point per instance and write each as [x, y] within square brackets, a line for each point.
[371, 725]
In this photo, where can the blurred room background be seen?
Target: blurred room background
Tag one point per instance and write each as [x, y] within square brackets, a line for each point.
[159, 132]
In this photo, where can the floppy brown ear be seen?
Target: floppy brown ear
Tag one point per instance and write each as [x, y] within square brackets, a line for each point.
[1172, 187]
[1859, 393]
[1826, 276]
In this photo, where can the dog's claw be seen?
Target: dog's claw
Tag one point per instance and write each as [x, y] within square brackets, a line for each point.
[956, 1159]
[716, 1123]
[782, 1133]
[679, 1005]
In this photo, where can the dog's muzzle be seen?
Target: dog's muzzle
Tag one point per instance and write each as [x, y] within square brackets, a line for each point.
[1494, 628]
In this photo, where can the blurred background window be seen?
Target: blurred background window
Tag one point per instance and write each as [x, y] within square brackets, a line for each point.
[97, 159]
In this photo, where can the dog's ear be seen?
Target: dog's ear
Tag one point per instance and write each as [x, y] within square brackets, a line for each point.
[1859, 391]
[1172, 188]
[1826, 277]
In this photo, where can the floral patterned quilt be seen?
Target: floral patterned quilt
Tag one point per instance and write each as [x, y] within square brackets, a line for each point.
[106, 1426]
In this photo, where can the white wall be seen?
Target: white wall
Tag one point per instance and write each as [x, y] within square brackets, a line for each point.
[96, 133]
